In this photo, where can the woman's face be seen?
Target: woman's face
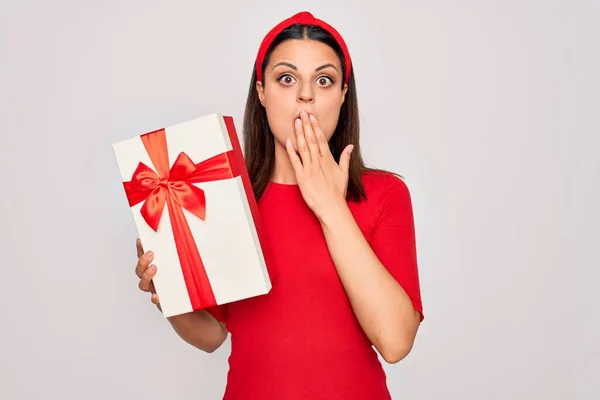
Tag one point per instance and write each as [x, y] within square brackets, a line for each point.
[302, 75]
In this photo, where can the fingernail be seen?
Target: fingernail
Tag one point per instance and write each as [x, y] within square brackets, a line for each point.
[288, 142]
[350, 149]
[313, 118]
[303, 114]
[148, 255]
[298, 123]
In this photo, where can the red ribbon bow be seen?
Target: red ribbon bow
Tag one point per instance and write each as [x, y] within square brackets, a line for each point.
[174, 188]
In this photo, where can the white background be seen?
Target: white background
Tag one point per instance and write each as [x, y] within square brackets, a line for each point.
[488, 108]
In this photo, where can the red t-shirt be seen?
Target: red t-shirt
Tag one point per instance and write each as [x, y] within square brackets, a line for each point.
[302, 340]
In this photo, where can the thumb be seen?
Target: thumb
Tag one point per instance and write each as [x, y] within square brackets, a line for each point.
[345, 158]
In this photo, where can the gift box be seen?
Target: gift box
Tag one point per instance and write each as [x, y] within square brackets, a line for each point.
[193, 206]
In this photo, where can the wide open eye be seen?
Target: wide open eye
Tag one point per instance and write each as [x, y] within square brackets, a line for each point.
[325, 81]
[286, 79]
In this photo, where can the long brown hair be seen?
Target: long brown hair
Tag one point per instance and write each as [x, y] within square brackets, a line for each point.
[259, 142]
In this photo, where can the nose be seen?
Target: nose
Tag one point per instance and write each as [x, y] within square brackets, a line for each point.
[305, 93]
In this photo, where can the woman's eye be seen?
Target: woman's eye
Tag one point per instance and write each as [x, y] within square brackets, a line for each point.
[325, 81]
[286, 79]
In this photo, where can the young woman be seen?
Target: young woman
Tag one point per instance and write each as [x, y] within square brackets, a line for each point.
[339, 237]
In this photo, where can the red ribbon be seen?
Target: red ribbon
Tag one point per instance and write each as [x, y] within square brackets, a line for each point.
[174, 188]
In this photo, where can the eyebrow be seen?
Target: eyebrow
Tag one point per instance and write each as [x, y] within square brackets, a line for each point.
[292, 66]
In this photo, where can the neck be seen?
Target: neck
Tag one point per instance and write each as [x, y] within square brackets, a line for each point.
[283, 171]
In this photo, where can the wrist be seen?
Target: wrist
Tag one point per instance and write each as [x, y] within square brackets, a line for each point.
[333, 214]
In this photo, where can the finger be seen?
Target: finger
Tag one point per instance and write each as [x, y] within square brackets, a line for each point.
[310, 136]
[140, 249]
[154, 299]
[146, 279]
[301, 141]
[345, 158]
[296, 162]
[322, 142]
[143, 263]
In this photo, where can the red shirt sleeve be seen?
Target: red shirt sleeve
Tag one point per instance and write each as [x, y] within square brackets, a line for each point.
[220, 312]
[393, 238]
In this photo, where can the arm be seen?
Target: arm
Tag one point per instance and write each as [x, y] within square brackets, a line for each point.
[374, 276]
[383, 308]
[200, 329]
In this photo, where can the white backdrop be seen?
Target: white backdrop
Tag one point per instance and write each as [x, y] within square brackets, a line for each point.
[489, 109]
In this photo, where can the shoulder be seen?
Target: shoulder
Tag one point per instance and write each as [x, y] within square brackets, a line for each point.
[388, 197]
[381, 186]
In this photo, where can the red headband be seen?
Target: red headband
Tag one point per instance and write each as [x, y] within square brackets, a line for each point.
[304, 18]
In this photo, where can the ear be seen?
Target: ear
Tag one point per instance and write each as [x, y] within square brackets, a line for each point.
[261, 92]
[344, 91]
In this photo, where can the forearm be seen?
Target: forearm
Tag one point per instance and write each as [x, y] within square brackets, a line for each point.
[382, 307]
[200, 329]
